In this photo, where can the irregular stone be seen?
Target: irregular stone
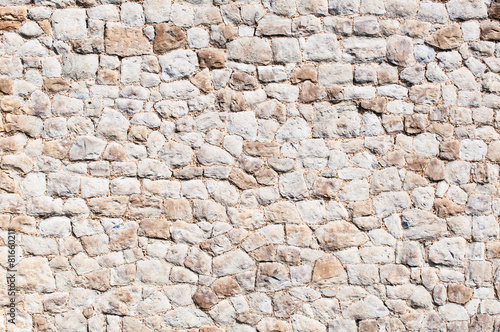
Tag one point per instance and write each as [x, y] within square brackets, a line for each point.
[280, 7]
[34, 274]
[363, 49]
[292, 186]
[399, 50]
[243, 124]
[78, 66]
[385, 180]
[232, 262]
[328, 271]
[113, 125]
[249, 50]
[334, 121]
[125, 41]
[445, 207]
[446, 38]
[322, 47]
[343, 7]
[109, 206]
[212, 58]
[462, 10]
[186, 318]
[205, 297]
[212, 155]
[69, 23]
[448, 252]
[368, 308]
[178, 64]
[157, 10]
[459, 293]
[339, 235]
[420, 224]
[294, 129]
[303, 323]
[425, 94]
[272, 277]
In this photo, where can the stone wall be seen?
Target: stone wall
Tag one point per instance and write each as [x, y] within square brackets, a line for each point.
[216, 165]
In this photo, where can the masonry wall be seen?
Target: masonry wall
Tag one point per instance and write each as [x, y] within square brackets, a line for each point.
[281, 165]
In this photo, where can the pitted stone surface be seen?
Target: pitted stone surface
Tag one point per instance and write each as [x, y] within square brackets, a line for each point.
[274, 165]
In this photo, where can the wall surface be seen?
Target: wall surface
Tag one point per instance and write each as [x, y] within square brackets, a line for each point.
[274, 165]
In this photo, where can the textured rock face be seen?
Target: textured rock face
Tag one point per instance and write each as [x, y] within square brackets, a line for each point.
[260, 166]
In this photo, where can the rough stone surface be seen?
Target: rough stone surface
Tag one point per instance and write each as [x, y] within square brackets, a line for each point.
[274, 165]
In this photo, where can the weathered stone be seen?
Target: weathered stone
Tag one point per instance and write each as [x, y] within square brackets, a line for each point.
[272, 277]
[126, 41]
[400, 50]
[446, 38]
[34, 274]
[113, 126]
[154, 228]
[249, 49]
[369, 307]
[112, 206]
[212, 58]
[205, 297]
[293, 186]
[186, 318]
[446, 207]
[232, 262]
[448, 252]
[362, 49]
[69, 23]
[78, 66]
[459, 293]
[461, 10]
[328, 271]
[420, 224]
[168, 37]
[339, 235]
[322, 47]
[490, 30]
[175, 154]
[334, 121]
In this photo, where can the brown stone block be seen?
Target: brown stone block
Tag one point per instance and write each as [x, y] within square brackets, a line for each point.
[311, 92]
[416, 162]
[226, 286]
[446, 38]
[242, 81]
[168, 37]
[6, 85]
[205, 298]
[376, 105]
[203, 81]
[435, 170]
[449, 150]
[9, 25]
[493, 250]
[262, 149]
[13, 13]
[494, 10]
[306, 72]
[125, 41]
[242, 180]
[445, 207]
[212, 58]
[490, 30]
[154, 228]
[328, 270]
[459, 293]
[56, 84]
